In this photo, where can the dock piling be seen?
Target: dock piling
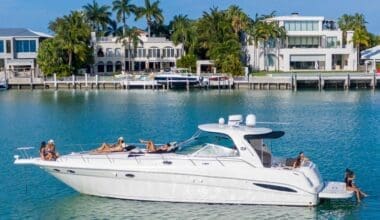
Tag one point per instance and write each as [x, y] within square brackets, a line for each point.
[55, 81]
[86, 80]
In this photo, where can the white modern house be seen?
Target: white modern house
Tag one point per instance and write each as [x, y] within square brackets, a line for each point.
[18, 50]
[151, 54]
[312, 43]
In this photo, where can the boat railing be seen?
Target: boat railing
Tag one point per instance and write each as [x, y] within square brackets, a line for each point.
[166, 159]
[24, 152]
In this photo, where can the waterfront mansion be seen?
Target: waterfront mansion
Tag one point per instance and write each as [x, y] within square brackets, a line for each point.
[18, 51]
[311, 43]
[151, 54]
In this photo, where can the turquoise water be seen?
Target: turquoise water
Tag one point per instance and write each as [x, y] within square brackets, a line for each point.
[335, 129]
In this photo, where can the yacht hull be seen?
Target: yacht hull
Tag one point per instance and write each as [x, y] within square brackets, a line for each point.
[176, 187]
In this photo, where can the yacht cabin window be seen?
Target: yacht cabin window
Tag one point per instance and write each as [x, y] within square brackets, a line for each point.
[262, 150]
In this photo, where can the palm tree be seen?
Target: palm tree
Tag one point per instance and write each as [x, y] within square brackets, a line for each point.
[214, 27]
[255, 34]
[72, 34]
[217, 37]
[355, 23]
[98, 16]
[113, 30]
[266, 30]
[182, 31]
[151, 12]
[351, 22]
[360, 38]
[262, 29]
[239, 20]
[123, 10]
[130, 39]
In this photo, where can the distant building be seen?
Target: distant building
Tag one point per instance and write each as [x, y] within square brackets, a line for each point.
[372, 59]
[18, 50]
[151, 54]
[311, 43]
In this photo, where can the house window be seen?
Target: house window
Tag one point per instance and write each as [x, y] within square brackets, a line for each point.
[271, 59]
[8, 46]
[179, 52]
[23, 46]
[168, 52]
[1, 46]
[109, 52]
[100, 67]
[331, 42]
[118, 66]
[154, 52]
[100, 52]
[109, 67]
[301, 25]
[130, 53]
[141, 52]
[117, 52]
[303, 42]
[271, 43]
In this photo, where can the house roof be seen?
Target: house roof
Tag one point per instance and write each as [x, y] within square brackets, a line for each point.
[21, 32]
[371, 53]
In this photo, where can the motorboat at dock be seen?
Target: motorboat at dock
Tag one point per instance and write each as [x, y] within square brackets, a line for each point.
[227, 163]
[178, 78]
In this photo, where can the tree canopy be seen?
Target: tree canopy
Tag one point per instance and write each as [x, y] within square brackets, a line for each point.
[69, 49]
[219, 35]
[151, 12]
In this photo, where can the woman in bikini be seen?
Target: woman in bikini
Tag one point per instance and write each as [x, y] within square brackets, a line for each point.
[350, 185]
[106, 148]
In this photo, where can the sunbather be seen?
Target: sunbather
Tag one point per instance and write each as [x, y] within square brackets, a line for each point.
[117, 147]
[151, 148]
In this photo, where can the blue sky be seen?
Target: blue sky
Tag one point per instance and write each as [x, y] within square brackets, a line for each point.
[36, 14]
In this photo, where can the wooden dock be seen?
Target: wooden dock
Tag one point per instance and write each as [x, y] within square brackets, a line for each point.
[303, 81]
[270, 82]
[81, 82]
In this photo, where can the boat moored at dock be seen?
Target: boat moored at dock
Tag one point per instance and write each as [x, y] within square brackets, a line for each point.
[226, 163]
[178, 78]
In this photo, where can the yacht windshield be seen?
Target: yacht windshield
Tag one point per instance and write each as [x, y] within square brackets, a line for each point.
[207, 144]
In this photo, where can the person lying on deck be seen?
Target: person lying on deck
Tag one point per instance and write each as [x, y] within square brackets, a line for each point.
[151, 148]
[117, 147]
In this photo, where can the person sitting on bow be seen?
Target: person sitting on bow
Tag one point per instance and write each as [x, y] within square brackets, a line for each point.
[49, 151]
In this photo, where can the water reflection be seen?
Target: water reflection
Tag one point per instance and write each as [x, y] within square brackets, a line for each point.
[91, 207]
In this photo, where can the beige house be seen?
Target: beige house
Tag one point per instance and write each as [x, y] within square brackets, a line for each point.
[152, 54]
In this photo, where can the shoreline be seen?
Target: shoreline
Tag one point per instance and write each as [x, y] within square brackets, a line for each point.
[270, 82]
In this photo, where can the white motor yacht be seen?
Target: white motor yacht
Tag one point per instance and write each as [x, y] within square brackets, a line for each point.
[178, 78]
[222, 163]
